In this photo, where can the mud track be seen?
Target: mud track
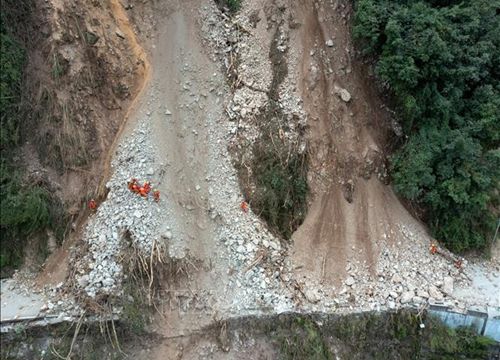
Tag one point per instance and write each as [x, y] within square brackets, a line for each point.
[352, 210]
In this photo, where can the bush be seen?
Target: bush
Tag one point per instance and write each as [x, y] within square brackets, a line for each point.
[232, 5]
[376, 336]
[12, 59]
[25, 210]
[303, 341]
[441, 59]
[281, 185]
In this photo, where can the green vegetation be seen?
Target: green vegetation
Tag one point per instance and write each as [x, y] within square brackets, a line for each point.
[441, 60]
[87, 341]
[281, 185]
[12, 60]
[26, 207]
[24, 211]
[376, 336]
[232, 5]
[279, 169]
[136, 312]
[303, 342]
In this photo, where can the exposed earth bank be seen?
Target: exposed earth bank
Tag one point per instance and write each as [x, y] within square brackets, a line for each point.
[211, 78]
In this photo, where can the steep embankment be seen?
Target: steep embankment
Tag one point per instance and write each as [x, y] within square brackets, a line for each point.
[358, 249]
[143, 74]
[56, 267]
[205, 259]
[86, 69]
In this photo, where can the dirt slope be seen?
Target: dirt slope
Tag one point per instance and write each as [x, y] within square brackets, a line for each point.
[56, 267]
[178, 104]
[352, 210]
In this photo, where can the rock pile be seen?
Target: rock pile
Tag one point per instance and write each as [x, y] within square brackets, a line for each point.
[123, 212]
[258, 274]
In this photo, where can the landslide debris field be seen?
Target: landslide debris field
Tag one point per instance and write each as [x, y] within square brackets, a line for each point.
[268, 139]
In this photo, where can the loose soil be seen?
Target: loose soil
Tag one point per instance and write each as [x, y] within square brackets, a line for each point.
[124, 70]
[352, 210]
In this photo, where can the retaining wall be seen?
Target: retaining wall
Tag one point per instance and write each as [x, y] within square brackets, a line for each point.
[486, 323]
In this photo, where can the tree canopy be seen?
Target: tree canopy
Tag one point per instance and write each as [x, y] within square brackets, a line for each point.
[441, 61]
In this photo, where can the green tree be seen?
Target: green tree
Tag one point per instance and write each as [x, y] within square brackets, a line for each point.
[441, 60]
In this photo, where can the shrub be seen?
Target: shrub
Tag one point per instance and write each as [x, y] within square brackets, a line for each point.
[12, 59]
[303, 341]
[25, 210]
[281, 185]
[232, 5]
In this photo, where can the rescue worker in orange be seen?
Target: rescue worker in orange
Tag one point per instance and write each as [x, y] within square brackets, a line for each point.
[244, 206]
[143, 192]
[156, 195]
[134, 186]
[92, 205]
[433, 249]
[131, 184]
[147, 187]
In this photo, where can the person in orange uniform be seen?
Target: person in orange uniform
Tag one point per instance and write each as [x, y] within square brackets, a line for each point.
[244, 206]
[131, 184]
[156, 195]
[143, 191]
[433, 249]
[147, 186]
[92, 205]
[134, 186]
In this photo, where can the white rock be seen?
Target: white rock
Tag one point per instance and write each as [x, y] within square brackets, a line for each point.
[417, 300]
[274, 245]
[406, 297]
[448, 285]
[434, 293]
[345, 95]
[119, 33]
[423, 294]
[83, 281]
[329, 43]
[397, 278]
[350, 281]
[108, 282]
[312, 295]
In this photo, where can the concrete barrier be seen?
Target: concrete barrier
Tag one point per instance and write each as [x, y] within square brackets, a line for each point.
[486, 323]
